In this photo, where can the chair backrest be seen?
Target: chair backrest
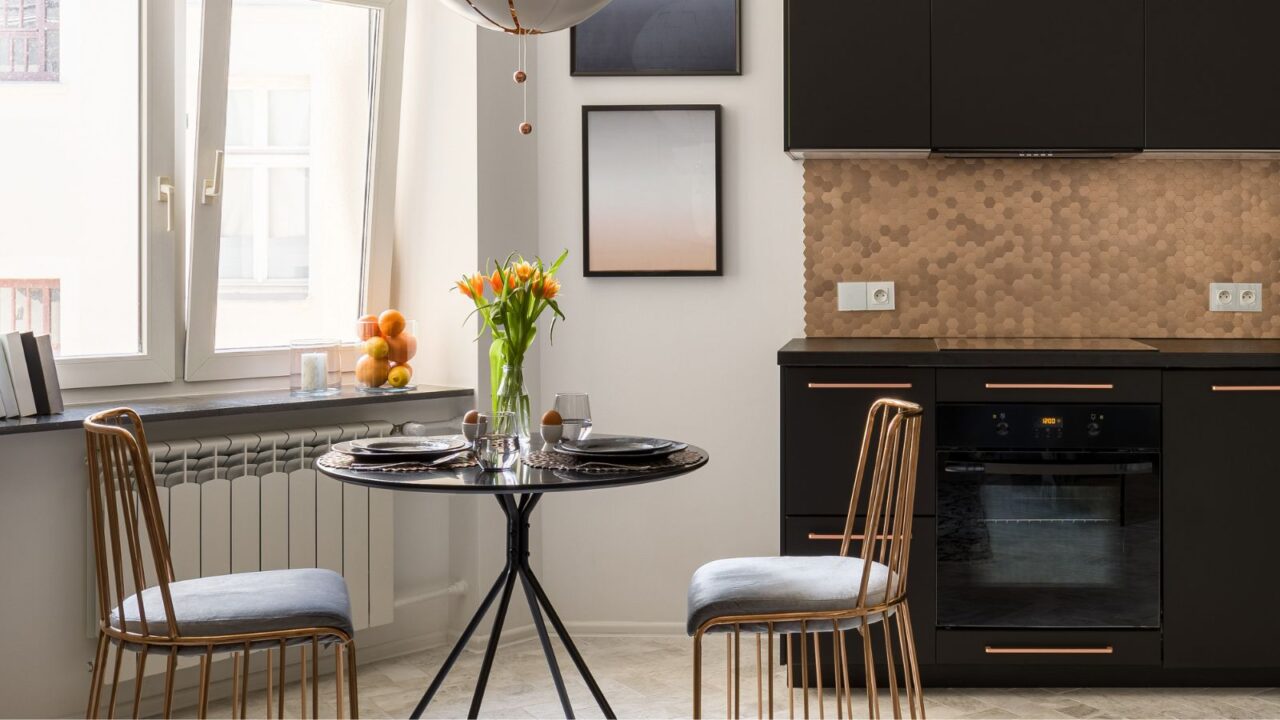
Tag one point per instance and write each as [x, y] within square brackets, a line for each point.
[886, 494]
[125, 509]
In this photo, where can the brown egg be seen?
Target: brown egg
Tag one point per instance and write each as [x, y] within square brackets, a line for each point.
[471, 417]
[552, 418]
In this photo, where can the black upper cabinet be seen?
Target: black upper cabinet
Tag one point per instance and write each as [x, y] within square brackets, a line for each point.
[857, 74]
[1213, 74]
[1018, 74]
[1221, 494]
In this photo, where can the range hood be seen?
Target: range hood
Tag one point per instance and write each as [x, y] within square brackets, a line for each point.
[1030, 154]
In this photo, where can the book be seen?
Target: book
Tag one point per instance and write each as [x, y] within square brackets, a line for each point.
[12, 345]
[32, 353]
[8, 397]
[52, 388]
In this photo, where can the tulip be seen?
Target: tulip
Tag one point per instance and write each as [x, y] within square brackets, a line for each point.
[495, 282]
[465, 288]
[523, 270]
[547, 289]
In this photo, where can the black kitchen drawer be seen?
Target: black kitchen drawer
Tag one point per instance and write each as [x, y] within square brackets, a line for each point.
[824, 411]
[998, 385]
[1048, 647]
[811, 536]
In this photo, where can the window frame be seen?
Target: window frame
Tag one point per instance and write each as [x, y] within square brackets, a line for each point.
[158, 293]
[203, 361]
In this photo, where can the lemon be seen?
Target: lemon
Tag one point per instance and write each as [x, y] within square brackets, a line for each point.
[377, 348]
[399, 376]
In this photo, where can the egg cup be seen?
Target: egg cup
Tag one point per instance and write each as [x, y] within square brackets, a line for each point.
[551, 435]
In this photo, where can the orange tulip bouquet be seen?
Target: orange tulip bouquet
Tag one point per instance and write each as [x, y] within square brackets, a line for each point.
[509, 302]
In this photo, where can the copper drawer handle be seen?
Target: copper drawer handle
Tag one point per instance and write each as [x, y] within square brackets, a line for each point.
[1048, 386]
[860, 386]
[1246, 388]
[1106, 650]
[821, 536]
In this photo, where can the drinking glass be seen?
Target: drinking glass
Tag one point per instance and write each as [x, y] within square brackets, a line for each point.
[575, 413]
[499, 447]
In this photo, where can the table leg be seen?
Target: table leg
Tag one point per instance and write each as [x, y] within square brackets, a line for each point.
[478, 697]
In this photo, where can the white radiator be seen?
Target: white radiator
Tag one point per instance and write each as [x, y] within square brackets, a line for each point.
[247, 502]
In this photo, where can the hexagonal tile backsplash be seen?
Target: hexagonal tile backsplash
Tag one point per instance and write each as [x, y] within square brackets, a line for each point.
[1042, 248]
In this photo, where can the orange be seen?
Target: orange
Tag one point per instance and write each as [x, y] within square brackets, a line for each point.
[399, 376]
[372, 372]
[402, 348]
[391, 322]
[367, 327]
[378, 348]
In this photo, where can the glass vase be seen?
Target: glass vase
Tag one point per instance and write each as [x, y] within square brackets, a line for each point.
[512, 397]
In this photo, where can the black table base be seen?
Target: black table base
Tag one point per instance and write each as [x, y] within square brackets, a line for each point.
[517, 568]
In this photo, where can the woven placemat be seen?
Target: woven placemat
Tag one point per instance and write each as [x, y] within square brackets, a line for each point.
[561, 461]
[340, 461]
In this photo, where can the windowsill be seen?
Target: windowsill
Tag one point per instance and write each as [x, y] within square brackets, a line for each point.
[238, 403]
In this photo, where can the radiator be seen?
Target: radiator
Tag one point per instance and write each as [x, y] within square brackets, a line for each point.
[247, 502]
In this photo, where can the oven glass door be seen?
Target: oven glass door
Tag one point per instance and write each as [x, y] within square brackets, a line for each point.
[1048, 540]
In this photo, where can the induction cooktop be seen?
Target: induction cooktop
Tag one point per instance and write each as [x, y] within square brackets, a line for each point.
[1082, 344]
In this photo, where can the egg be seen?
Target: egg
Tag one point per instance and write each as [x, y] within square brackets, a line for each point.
[552, 418]
[471, 417]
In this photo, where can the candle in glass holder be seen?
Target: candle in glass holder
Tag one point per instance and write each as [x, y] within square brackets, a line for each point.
[315, 372]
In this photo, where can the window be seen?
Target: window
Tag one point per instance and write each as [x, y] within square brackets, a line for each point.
[77, 247]
[280, 244]
[29, 41]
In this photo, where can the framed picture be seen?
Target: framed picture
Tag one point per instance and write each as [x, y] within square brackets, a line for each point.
[651, 190]
[659, 37]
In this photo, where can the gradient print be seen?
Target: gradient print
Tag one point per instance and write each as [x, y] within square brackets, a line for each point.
[651, 190]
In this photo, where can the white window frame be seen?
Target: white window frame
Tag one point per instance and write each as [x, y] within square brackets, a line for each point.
[203, 360]
[158, 293]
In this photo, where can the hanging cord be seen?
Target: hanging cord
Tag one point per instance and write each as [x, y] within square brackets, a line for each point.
[521, 77]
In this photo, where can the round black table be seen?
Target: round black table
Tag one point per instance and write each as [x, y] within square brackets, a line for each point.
[517, 491]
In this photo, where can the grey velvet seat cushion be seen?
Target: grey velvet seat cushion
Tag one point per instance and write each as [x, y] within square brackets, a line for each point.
[266, 601]
[768, 585]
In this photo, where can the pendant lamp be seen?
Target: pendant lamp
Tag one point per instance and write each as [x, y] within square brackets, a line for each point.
[526, 17]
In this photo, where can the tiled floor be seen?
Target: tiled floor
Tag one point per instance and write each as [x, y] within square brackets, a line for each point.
[649, 677]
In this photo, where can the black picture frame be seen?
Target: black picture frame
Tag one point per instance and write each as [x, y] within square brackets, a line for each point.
[718, 270]
[586, 26]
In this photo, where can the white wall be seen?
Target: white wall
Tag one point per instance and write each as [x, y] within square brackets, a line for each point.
[687, 358]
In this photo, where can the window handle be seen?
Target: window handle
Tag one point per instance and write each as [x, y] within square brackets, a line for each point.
[165, 195]
[213, 186]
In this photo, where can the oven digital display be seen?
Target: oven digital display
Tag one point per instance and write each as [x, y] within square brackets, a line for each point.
[1050, 422]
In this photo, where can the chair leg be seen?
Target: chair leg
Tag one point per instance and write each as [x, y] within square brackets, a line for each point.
[817, 671]
[911, 650]
[835, 670]
[728, 676]
[115, 682]
[844, 662]
[244, 682]
[869, 671]
[137, 679]
[769, 657]
[893, 672]
[235, 687]
[302, 681]
[697, 675]
[171, 667]
[315, 676]
[283, 665]
[206, 661]
[791, 690]
[354, 688]
[270, 686]
[95, 682]
[759, 680]
[737, 672]
[337, 676]
[804, 666]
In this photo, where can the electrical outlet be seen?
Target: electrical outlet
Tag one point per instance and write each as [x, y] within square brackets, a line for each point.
[881, 296]
[1249, 297]
[851, 296]
[1222, 297]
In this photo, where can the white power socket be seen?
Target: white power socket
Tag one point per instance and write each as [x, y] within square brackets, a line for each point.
[863, 296]
[1235, 297]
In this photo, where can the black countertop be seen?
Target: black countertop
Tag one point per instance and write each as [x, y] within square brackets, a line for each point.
[201, 406]
[924, 352]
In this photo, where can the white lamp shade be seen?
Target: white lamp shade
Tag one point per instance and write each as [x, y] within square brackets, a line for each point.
[526, 16]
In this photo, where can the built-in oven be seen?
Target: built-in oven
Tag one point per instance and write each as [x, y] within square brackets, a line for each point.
[1048, 518]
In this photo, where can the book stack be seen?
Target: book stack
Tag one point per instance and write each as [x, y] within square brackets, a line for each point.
[28, 377]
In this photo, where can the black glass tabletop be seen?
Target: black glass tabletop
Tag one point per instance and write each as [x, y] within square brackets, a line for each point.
[518, 480]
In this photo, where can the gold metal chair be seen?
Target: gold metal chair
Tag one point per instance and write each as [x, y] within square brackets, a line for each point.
[271, 610]
[852, 592]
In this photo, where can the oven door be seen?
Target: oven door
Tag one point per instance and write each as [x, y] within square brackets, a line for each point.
[1048, 539]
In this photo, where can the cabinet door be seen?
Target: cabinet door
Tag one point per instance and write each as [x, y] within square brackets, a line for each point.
[1221, 496]
[1213, 74]
[824, 411]
[1013, 74]
[857, 74]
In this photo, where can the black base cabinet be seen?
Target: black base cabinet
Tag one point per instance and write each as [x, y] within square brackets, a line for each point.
[1220, 490]
[1221, 502]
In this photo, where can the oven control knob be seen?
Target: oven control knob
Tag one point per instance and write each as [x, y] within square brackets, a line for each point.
[1094, 429]
[1002, 428]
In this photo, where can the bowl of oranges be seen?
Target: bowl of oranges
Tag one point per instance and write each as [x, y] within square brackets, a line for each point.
[388, 343]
